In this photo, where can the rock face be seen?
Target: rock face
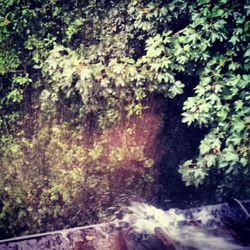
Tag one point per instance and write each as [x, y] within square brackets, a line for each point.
[223, 219]
[97, 237]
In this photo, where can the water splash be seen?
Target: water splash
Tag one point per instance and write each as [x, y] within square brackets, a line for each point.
[174, 228]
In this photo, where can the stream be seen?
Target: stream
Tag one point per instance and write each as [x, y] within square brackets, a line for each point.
[205, 228]
[145, 227]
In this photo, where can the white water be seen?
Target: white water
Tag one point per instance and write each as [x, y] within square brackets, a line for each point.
[148, 219]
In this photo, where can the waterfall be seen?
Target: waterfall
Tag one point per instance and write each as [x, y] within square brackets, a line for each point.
[199, 229]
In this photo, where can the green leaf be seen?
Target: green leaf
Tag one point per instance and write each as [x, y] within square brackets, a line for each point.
[188, 118]
[210, 159]
[205, 147]
[238, 105]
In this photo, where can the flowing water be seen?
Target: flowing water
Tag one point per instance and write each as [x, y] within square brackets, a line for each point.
[198, 230]
[145, 227]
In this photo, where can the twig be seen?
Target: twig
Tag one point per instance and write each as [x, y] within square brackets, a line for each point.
[242, 207]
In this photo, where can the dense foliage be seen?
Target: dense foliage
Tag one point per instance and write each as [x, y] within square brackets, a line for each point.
[79, 81]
